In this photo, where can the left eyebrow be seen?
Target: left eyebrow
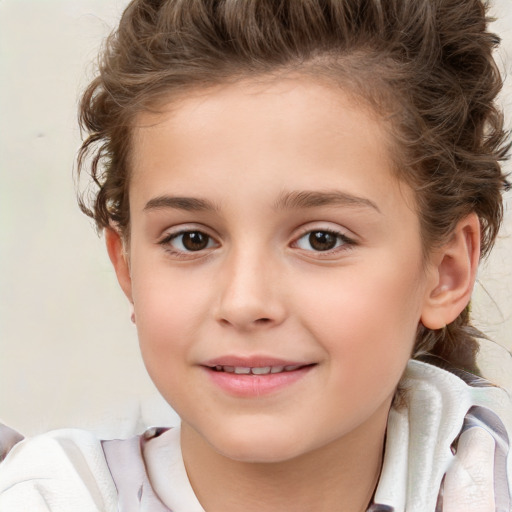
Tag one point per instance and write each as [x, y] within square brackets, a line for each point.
[313, 198]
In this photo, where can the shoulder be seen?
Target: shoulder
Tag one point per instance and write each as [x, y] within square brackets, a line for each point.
[447, 440]
[58, 471]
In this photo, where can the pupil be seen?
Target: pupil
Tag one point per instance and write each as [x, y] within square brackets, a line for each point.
[322, 240]
[195, 241]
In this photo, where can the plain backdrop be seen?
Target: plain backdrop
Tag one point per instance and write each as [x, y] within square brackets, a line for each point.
[68, 352]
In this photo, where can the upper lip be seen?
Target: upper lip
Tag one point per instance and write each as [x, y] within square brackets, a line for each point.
[252, 362]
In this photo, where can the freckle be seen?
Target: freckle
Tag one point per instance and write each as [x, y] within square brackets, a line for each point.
[40, 135]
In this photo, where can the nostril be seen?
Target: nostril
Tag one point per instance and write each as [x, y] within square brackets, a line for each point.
[262, 321]
[258, 322]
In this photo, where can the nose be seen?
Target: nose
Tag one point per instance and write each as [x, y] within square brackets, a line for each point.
[251, 292]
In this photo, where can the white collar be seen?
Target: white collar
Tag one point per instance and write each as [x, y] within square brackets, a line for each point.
[420, 435]
[164, 464]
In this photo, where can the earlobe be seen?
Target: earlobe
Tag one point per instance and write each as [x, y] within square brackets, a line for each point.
[454, 268]
[119, 259]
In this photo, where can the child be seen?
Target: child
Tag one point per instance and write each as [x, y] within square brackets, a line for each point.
[295, 196]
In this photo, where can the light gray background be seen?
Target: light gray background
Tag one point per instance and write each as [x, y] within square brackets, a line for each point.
[68, 352]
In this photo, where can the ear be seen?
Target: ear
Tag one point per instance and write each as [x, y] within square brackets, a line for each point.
[119, 258]
[453, 267]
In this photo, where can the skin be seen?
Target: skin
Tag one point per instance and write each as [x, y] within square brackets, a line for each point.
[260, 288]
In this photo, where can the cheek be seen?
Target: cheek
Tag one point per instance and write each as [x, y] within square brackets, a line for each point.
[168, 309]
[368, 316]
[163, 321]
[166, 296]
[367, 329]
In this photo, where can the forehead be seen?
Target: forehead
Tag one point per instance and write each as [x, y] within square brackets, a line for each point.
[291, 133]
[292, 103]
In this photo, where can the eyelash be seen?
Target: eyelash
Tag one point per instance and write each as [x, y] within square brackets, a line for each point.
[343, 242]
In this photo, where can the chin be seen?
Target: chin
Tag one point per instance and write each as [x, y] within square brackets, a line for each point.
[258, 445]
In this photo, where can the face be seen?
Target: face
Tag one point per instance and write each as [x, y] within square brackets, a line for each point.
[275, 266]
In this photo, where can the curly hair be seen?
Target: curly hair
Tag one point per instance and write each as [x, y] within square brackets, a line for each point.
[425, 66]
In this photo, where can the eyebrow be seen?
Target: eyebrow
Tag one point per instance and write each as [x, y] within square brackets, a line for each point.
[191, 204]
[286, 201]
[313, 199]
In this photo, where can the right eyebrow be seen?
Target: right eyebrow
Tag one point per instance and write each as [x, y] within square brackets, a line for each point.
[180, 203]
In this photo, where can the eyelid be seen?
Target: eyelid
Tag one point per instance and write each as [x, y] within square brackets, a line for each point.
[180, 229]
[328, 227]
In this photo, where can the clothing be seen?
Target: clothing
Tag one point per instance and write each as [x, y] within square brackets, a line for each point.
[447, 448]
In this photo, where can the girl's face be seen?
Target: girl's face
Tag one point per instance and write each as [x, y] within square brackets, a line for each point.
[275, 265]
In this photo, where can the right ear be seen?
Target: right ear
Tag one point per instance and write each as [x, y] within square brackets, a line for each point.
[119, 258]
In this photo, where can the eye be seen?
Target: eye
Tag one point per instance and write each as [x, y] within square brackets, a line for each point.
[322, 240]
[188, 241]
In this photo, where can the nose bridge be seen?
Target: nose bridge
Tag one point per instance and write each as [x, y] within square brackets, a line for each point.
[249, 292]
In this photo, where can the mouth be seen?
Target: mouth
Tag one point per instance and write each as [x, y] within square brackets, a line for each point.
[254, 377]
[257, 370]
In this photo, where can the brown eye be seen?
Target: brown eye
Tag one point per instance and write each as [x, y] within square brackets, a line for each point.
[322, 240]
[194, 240]
[187, 242]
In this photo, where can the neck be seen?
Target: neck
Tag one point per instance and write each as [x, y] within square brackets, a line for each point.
[341, 475]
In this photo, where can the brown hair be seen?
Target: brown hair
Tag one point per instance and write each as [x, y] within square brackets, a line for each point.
[426, 67]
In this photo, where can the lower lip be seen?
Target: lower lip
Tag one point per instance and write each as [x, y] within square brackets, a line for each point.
[256, 385]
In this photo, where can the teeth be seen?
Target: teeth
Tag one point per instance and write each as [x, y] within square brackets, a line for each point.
[261, 371]
[257, 370]
[241, 370]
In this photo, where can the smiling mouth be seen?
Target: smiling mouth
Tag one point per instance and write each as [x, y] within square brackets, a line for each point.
[257, 370]
[255, 377]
